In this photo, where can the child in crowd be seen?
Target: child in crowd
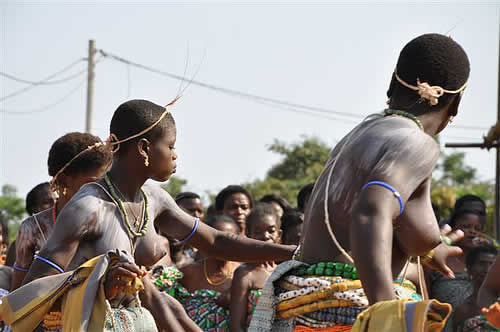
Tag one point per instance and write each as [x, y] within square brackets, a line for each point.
[262, 224]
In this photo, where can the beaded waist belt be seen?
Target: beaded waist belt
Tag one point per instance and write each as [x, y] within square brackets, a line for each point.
[326, 294]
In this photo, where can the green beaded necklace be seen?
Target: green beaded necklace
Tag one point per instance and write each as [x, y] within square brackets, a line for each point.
[123, 212]
[329, 269]
[406, 115]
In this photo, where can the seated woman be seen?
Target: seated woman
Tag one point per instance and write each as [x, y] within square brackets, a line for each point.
[262, 224]
[70, 170]
[479, 260]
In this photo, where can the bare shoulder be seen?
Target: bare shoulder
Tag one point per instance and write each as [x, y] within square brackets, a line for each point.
[29, 224]
[244, 271]
[158, 197]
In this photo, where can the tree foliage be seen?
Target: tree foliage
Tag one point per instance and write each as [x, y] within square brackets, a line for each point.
[301, 163]
[11, 208]
[174, 186]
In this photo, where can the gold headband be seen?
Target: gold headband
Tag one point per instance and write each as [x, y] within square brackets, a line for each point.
[428, 92]
[112, 141]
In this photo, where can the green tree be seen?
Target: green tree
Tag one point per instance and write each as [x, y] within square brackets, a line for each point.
[11, 209]
[174, 185]
[453, 179]
[301, 163]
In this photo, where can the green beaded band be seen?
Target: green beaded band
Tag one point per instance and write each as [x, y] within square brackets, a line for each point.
[406, 115]
[343, 270]
[119, 202]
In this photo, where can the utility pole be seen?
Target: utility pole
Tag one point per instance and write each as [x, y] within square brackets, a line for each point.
[90, 85]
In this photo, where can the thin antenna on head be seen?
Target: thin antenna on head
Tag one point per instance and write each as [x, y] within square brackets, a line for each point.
[185, 70]
[196, 72]
[453, 27]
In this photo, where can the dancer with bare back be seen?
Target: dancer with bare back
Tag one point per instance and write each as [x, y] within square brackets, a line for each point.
[370, 209]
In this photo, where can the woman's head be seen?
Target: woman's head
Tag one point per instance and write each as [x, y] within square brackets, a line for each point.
[72, 163]
[40, 198]
[191, 203]
[154, 149]
[264, 224]
[236, 202]
[469, 215]
[291, 225]
[279, 204]
[224, 224]
[478, 262]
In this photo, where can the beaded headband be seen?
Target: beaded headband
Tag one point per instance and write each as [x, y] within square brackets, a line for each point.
[111, 142]
[428, 92]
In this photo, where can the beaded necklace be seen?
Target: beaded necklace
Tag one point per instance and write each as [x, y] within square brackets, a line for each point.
[213, 283]
[119, 202]
[406, 115]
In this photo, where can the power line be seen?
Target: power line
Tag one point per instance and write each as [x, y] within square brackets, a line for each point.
[45, 81]
[231, 91]
[256, 98]
[49, 106]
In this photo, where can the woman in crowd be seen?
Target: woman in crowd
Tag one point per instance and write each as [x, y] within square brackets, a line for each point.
[236, 202]
[70, 168]
[263, 224]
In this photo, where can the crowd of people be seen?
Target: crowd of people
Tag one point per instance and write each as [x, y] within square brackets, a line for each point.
[361, 250]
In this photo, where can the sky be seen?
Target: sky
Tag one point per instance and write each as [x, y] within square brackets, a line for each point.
[334, 56]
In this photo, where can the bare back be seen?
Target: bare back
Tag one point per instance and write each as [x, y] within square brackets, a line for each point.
[391, 149]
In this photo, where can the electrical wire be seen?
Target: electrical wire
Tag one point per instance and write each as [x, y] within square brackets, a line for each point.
[46, 107]
[260, 99]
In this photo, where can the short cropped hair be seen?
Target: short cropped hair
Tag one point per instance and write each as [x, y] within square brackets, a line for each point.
[37, 196]
[133, 116]
[259, 211]
[68, 146]
[474, 253]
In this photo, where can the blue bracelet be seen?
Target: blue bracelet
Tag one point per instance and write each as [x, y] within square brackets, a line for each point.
[391, 188]
[22, 269]
[195, 227]
[54, 265]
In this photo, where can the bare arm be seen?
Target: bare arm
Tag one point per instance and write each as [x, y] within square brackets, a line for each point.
[176, 223]
[25, 249]
[371, 242]
[490, 290]
[72, 224]
[238, 306]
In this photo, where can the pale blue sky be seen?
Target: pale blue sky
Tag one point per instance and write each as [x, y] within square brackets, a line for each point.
[337, 56]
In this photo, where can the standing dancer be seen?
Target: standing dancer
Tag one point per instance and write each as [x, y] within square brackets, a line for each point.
[375, 212]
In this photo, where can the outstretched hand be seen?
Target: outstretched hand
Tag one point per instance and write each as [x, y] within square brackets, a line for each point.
[443, 251]
[121, 277]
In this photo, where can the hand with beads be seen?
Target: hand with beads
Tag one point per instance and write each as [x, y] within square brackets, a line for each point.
[122, 277]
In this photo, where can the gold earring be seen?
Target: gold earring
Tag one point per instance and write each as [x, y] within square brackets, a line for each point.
[64, 191]
[450, 120]
[146, 160]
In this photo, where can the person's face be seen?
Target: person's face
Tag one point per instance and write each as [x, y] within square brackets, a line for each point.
[46, 203]
[192, 206]
[293, 235]
[162, 157]
[265, 229]
[224, 226]
[237, 206]
[481, 266]
[470, 224]
[75, 182]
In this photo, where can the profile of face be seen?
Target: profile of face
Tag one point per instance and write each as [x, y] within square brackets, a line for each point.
[225, 226]
[237, 206]
[73, 183]
[293, 234]
[471, 225]
[192, 206]
[162, 157]
[481, 266]
[265, 228]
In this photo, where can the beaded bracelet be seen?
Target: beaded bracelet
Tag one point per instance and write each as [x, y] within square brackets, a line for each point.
[21, 269]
